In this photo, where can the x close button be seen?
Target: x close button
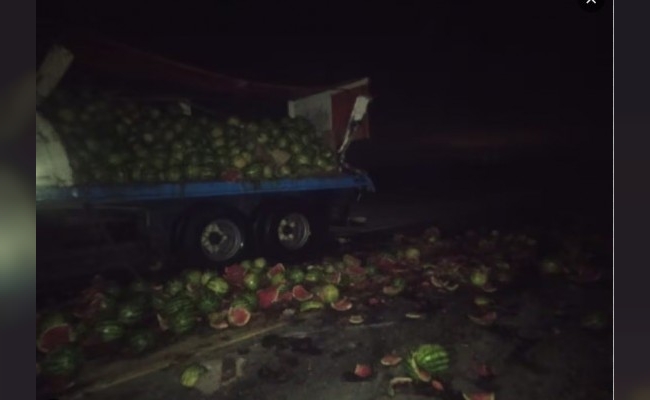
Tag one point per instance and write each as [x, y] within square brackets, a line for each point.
[591, 5]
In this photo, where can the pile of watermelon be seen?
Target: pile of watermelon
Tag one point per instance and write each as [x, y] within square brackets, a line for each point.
[135, 319]
[112, 140]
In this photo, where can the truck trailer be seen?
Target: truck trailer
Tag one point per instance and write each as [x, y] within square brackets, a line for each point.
[200, 223]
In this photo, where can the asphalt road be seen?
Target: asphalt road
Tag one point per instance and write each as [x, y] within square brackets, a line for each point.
[533, 351]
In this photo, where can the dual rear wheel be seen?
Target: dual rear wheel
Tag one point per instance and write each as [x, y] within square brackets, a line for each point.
[222, 237]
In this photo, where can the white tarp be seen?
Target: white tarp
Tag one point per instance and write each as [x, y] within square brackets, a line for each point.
[52, 164]
[316, 108]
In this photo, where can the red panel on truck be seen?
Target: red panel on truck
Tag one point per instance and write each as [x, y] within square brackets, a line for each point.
[118, 59]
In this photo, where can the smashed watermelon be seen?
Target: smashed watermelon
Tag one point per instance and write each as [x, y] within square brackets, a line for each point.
[276, 269]
[238, 316]
[267, 297]
[351, 261]
[310, 305]
[300, 293]
[342, 305]
[54, 332]
[333, 277]
[235, 274]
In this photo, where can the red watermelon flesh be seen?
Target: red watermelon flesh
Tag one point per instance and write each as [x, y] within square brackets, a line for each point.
[266, 297]
[238, 316]
[386, 262]
[276, 269]
[286, 297]
[234, 274]
[342, 305]
[334, 278]
[300, 293]
[355, 272]
[55, 336]
[91, 305]
[363, 370]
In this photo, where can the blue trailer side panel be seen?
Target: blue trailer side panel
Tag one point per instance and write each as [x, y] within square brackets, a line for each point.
[167, 191]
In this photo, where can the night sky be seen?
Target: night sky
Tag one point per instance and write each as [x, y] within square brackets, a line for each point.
[438, 71]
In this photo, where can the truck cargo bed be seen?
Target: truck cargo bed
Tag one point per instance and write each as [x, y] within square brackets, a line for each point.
[118, 193]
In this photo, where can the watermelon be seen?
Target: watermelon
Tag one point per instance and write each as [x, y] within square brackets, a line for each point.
[234, 274]
[65, 362]
[342, 305]
[333, 277]
[386, 261]
[550, 267]
[259, 264]
[247, 265]
[390, 360]
[479, 276]
[54, 332]
[95, 305]
[208, 302]
[112, 289]
[363, 371]
[191, 374]
[300, 293]
[177, 304]
[313, 276]
[266, 297]
[173, 287]
[130, 313]
[252, 281]
[278, 279]
[158, 301]
[432, 358]
[247, 299]
[310, 305]
[276, 269]
[109, 331]
[253, 172]
[139, 286]
[182, 322]
[141, 341]
[218, 285]
[395, 288]
[329, 268]
[238, 316]
[192, 277]
[414, 371]
[412, 255]
[328, 293]
[351, 261]
[207, 276]
[296, 276]
[371, 270]
[482, 301]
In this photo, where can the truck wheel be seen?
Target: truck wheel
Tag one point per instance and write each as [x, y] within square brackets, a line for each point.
[290, 232]
[216, 238]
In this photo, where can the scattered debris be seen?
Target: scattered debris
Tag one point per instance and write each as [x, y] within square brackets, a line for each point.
[391, 360]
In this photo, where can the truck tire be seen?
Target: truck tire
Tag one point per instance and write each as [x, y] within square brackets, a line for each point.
[216, 238]
[289, 232]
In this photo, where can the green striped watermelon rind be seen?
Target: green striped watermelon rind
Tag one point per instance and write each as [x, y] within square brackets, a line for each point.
[433, 358]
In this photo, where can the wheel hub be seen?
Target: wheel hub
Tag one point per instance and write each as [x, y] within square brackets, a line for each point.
[221, 239]
[294, 231]
[216, 238]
